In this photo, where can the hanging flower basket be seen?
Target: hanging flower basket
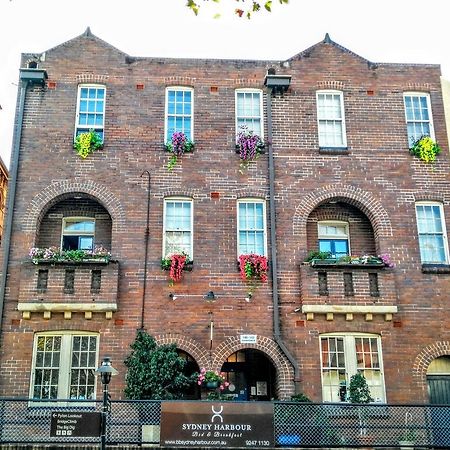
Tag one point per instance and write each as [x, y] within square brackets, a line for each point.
[249, 146]
[178, 144]
[176, 264]
[425, 149]
[253, 267]
[212, 380]
[86, 143]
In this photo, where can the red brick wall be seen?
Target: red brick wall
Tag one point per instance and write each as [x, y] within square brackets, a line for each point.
[378, 177]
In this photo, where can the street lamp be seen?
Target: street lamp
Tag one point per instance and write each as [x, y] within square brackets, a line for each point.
[106, 370]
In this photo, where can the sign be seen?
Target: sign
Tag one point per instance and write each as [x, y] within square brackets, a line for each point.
[261, 388]
[248, 338]
[75, 424]
[216, 424]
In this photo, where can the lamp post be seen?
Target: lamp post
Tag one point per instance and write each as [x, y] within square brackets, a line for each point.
[106, 370]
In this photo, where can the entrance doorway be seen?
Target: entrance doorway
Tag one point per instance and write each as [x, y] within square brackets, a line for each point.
[193, 391]
[438, 380]
[251, 375]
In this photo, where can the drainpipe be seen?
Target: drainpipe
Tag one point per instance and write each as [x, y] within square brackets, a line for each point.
[276, 83]
[147, 237]
[27, 78]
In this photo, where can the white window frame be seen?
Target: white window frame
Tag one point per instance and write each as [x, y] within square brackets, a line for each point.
[166, 110]
[337, 236]
[78, 233]
[325, 119]
[350, 360]
[261, 109]
[264, 230]
[65, 362]
[97, 128]
[430, 114]
[167, 200]
[444, 230]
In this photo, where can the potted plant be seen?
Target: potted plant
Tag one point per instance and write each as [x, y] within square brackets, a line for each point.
[253, 267]
[359, 392]
[249, 146]
[87, 142]
[211, 379]
[175, 263]
[319, 259]
[54, 254]
[425, 149]
[178, 144]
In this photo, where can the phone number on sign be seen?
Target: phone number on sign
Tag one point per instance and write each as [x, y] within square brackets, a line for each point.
[257, 443]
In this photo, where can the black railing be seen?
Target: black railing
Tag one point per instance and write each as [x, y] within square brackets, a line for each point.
[296, 425]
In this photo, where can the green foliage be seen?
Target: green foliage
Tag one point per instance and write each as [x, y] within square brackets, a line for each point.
[251, 5]
[155, 371]
[425, 149]
[358, 389]
[86, 143]
[302, 398]
[316, 254]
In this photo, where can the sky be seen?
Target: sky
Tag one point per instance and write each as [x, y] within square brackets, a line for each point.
[397, 31]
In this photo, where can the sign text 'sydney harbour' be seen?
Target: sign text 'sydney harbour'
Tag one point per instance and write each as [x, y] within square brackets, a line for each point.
[216, 424]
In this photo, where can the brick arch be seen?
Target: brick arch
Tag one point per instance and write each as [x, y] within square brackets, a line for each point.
[197, 351]
[54, 192]
[355, 196]
[285, 372]
[424, 359]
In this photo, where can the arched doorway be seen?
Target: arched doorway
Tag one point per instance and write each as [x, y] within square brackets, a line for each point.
[251, 375]
[438, 380]
[193, 392]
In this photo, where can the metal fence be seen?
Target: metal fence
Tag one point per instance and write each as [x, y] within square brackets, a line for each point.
[301, 425]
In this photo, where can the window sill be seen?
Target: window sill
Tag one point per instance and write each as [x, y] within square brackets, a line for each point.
[55, 262]
[332, 265]
[334, 150]
[436, 268]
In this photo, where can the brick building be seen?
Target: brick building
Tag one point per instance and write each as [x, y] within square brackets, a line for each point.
[336, 176]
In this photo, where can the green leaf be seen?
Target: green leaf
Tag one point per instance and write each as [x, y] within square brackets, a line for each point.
[268, 5]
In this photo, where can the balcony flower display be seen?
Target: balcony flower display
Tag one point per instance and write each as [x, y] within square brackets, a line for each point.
[323, 258]
[55, 254]
[253, 267]
[212, 379]
[249, 145]
[175, 263]
[425, 149]
[178, 144]
[86, 143]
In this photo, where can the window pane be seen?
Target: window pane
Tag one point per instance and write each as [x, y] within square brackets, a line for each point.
[251, 228]
[179, 112]
[248, 111]
[432, 238]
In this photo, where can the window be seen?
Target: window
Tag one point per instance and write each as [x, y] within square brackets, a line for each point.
[343, 356]
[178, 224]
[330, 117]
[64, 366]
[78, 233]
[90, 109]
[418, 116]
[334, 238]
[251, 227]
[249, 111]
[432, 234]
[179, 112]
